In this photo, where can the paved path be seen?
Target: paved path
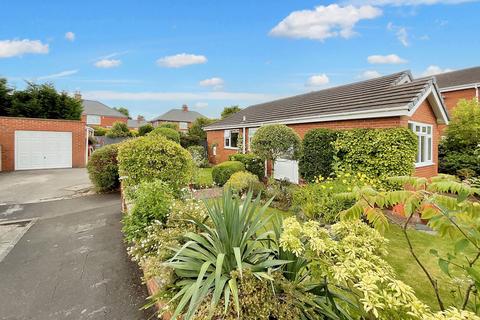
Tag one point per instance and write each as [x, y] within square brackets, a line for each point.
[70, 264]
[31, 186]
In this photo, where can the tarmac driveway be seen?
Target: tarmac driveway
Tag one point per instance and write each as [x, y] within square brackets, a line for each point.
[20, 187]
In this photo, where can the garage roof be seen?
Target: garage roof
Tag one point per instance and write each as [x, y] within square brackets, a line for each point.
[391, 95]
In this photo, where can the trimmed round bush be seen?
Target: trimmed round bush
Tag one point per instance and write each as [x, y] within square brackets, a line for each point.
[167, 133]
[223, 171]
[103, 168]
[318, 154]
[152, 201]
[143, 130]
[149, 158]
[242, 181]
[252, 163]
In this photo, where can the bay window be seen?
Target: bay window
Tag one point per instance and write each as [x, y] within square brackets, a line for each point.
[231, 138]
[424, 134]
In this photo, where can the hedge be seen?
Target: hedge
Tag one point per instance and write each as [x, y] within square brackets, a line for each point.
[318, 154]
[223, 171]
[243, 181]
[148, 158]
[378, 153]
[167, 133]
[252, 163]
[119, 130]
[144, 129]
[103, 168]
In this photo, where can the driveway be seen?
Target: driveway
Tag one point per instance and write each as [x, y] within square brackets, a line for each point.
[20, 187]
[66, 259]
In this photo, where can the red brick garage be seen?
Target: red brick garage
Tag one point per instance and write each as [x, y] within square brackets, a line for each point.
[28, 143]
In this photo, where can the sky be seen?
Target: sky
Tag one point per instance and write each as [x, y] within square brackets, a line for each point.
[152, 55]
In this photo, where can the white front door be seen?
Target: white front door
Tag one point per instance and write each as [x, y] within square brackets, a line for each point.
[286, 169]
[43, 150]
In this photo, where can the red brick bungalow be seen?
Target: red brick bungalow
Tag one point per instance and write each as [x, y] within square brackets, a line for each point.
[396, 100]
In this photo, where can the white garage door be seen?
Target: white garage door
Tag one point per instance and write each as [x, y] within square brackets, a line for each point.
[43, 150]
[286, 169]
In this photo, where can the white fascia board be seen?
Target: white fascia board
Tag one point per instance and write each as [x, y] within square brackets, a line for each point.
[461, 87]
[437, 105]
[357, 115]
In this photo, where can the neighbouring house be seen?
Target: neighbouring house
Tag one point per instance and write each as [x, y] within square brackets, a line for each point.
[395, 100]
[182, 117]
[98, 114]
[32, 143]
[460, 84]
[136, 123]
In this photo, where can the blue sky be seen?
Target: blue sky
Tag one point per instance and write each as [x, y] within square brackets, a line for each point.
[150, 56]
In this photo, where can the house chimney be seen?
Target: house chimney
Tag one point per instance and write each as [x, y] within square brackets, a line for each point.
[185, 108]
[140, 118]
[77, 95]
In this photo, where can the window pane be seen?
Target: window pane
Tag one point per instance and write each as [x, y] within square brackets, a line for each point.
[429, 130]
[227, 142]
[429, 149]
[234, 139]
[183, 126]
[418, 149]
[417, 128]
[410, 126]
[422, 149]
[424, 129]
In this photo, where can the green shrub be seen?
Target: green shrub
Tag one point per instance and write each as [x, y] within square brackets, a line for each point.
[453, 161]
[252, 163]
[119, 130]
[152, 201]
[379, 153]
[199, 156]
[275, 141]
[187, 140]
[169, 125]
[223, 171]
[143, 130]
[167, 133]
[148, 158]
[103, 168]
[242, 181]
[318, 154]
[99, 131]
[282, 193]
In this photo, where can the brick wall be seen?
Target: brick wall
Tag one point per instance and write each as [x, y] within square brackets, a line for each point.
[451, 98]
[8, 126]
[106, 122]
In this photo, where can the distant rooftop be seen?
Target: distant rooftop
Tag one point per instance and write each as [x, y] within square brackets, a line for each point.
[98, 108]
[458, 78]
[179, 115]
[135, 123]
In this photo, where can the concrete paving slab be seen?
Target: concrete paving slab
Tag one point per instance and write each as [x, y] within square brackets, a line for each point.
[21, 187]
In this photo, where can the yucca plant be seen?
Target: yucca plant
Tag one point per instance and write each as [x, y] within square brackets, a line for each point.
[234, 242]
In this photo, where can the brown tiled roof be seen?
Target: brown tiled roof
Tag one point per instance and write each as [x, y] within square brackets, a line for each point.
[458, 78]
[382, 94]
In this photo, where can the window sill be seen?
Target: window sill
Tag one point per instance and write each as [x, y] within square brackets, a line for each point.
[231, 148]
[425, 164]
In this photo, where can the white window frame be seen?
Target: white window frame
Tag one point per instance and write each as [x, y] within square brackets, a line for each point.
[250, 136]
[183, 125]
[423, 131]
[227, 137]
[89, 116]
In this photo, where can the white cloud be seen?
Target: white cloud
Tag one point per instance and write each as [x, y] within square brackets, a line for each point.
[400, 32]
[370, 74]
[58, 75]
[324, 22]
[215, 82]
[12, 48]
[108, 63]
[318, 80]
[177, 96]
[70, 36]
[433, 70]
[201, 105]
[405, 2]
[181, 60]
[387, 59]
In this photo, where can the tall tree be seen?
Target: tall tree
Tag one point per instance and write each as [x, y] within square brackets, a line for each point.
[5, 97]
[228, 111]
[43, 101]
[124, 111]
[197, 126]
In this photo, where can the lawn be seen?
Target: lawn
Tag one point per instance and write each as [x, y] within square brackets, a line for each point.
[203, 178]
